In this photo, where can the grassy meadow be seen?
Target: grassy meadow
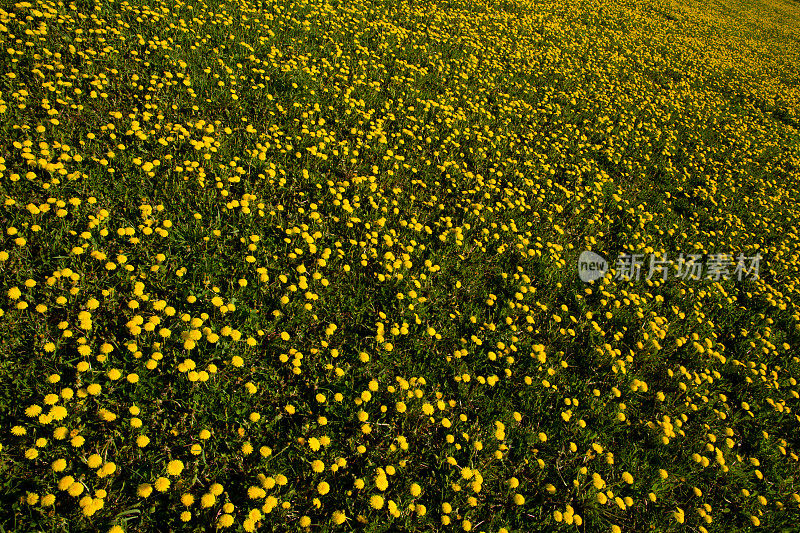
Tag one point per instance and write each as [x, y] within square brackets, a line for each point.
[311, 265]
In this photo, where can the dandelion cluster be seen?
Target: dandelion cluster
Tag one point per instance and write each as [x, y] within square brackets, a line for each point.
[310, 265]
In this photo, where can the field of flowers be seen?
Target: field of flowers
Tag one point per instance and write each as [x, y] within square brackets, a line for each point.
[311, 265]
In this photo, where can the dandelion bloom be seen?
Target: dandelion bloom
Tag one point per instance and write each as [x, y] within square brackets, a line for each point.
[376, 502]
[162, 484]
[338, 517]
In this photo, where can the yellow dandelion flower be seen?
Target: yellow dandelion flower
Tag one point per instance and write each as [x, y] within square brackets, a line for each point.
[175, 467]
[376, 502]
[338, 518]
[75, 489]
